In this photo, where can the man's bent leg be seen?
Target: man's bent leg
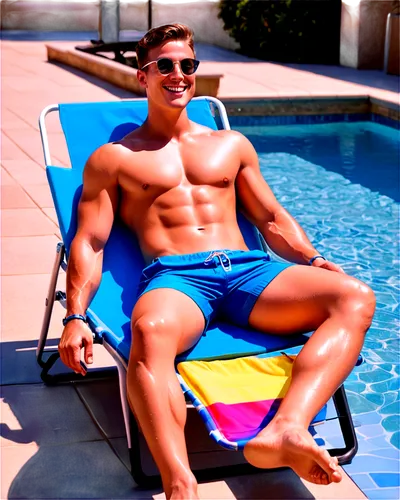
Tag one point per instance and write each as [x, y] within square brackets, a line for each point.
[340, 310]
[165, 322]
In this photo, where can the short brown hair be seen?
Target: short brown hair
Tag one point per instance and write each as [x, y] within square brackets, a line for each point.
[162, 34]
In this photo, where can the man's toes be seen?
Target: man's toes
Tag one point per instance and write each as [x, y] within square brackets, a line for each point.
[325, 461]
[318, 475]
[336, 477]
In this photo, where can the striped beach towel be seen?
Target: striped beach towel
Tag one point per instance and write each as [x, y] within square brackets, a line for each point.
[238, 397]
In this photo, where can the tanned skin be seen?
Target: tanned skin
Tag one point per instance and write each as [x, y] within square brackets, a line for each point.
[176, 185]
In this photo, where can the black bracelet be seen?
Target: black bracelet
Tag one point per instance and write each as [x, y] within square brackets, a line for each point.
[315, 258]
[74, 316]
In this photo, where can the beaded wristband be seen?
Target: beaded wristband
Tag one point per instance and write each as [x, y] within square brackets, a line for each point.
[73, 316]
[310, 262]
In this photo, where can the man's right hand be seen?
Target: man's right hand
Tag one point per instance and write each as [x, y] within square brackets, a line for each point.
[76, 335]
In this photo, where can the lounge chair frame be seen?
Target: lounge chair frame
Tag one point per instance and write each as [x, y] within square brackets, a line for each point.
[47, 356]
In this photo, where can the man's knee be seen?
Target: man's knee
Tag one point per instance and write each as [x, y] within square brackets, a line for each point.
[152, 337]
[356, 300]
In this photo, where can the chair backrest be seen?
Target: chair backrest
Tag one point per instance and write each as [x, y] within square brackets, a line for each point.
[86, 127]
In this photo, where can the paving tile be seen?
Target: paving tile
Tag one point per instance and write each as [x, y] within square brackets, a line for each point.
[18, 362]
[40, 194]
[25, 172]
[19, 365]
[120, 447]
[103, 399]
[26, 222]
[10, 120]
[28, 255]
[13, 196]
[274, 484]
[51, 214]
[78, 470]
[12, 464]
[23, 305]
[10, 151]
[48, 415]
[12, 69]
[21, 83]
[29, 141]
[6, 179]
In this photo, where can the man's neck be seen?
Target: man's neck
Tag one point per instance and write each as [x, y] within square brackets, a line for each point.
[170, 124]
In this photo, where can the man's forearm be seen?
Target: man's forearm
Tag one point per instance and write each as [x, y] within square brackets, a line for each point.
[83, 276]
[287, 239]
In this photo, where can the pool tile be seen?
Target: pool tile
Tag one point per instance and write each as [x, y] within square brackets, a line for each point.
[390, 409]
[359, 404]
[385, 480]
[390, 452]
[365, 446]
[363, 481]
[384, 120]
[383, 494]
[391, 423]
[395, 439]
[377, 399]
[380, 441]
[370, 431]
[368, 463]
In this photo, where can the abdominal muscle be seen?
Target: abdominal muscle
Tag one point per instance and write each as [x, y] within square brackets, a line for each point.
[190, 228]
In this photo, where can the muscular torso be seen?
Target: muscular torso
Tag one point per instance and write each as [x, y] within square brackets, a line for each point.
[179, 197]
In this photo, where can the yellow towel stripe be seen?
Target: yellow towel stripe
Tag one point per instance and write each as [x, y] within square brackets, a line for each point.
[238, 380]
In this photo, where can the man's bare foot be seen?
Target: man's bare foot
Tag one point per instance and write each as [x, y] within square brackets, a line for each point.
[292, 446]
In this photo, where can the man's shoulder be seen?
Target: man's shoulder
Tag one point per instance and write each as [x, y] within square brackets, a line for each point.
[232, 135]
[105, 160]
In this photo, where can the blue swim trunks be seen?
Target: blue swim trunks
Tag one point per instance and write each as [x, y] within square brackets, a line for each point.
[223, 282]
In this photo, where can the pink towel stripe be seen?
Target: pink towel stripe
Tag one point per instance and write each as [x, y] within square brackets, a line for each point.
[243, 420]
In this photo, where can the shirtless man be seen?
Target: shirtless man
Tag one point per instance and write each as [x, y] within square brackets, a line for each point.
[175, 184]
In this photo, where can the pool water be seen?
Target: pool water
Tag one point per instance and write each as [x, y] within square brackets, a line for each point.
[341, 181]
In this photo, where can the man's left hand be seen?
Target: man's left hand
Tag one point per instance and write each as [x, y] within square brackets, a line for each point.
[326, 264]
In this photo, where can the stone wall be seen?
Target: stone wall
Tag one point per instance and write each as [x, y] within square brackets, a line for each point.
[363, 32]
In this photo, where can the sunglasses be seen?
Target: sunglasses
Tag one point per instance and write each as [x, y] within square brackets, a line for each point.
[166, 66]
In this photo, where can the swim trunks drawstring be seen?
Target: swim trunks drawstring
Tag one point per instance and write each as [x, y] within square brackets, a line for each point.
[223, 258]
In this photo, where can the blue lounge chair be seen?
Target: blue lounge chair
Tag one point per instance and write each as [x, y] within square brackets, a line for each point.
[86, 127]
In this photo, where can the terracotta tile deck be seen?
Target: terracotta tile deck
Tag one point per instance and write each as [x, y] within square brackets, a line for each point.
[48, 437]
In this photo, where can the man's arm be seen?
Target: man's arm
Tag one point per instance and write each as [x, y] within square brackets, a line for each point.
[96, 211]
[282, 233]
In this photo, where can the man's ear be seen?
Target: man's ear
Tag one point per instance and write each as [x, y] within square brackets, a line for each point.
[142, 79]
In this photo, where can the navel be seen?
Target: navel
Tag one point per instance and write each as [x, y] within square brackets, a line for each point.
[145, 186]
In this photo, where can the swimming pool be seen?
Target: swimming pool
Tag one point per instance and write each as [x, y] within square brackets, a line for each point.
[341, 181]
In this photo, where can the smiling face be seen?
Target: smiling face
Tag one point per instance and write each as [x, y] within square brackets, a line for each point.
[174, 90]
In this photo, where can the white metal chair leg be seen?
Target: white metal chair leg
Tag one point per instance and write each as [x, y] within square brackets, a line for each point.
[49, 304]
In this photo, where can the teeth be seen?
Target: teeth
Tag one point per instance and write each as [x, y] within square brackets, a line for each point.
[176, 89]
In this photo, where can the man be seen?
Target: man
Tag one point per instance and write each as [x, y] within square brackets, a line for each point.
[175, 184]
